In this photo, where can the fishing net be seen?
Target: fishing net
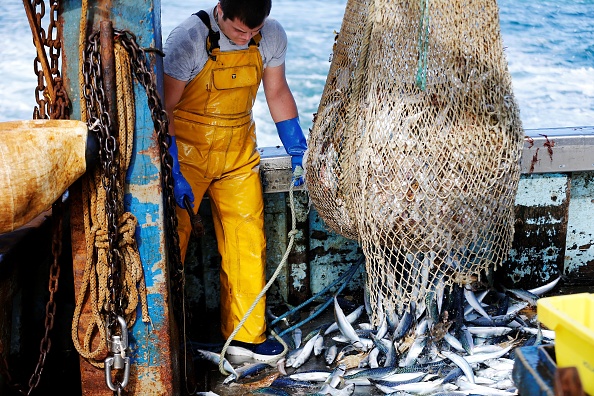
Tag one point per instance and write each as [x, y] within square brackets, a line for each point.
[415, 147]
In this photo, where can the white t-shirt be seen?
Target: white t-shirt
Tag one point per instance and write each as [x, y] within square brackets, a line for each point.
[185, 48]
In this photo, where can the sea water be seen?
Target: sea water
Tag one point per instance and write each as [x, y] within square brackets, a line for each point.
[549, 46]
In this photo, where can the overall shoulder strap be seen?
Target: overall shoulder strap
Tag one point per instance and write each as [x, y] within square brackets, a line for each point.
[212, 41]
[256, 39]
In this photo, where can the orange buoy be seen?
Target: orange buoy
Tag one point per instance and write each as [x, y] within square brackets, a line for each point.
[39, 160]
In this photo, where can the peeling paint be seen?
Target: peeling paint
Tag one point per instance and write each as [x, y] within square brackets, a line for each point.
[538, 246]
[298, 274]
[541, 190]
[580, 239]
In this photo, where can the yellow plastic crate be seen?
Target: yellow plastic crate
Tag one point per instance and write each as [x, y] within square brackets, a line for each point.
[572, 319]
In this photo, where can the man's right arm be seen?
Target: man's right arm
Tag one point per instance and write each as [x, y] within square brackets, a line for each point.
[173, 91]
[181, 188]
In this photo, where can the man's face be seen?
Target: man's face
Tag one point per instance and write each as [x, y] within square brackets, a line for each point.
[235, 30]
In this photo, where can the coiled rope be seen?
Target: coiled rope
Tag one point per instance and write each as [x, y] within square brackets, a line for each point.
[94, 285]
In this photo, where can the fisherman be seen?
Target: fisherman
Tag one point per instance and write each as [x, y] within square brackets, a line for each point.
[213, 66]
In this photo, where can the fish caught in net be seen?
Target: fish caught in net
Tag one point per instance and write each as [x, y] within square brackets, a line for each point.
[415, 147]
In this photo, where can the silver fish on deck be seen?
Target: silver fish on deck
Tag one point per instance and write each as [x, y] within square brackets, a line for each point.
[346, 328]
[350, 318]
[215, 358]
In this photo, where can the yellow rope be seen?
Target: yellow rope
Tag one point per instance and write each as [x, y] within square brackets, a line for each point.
[94, 286]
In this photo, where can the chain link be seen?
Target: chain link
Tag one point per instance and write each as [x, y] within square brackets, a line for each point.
[57, 107]
[99, 121]
[146, 78]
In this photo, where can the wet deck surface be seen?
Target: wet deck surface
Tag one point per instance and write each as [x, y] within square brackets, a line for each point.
[213, 379]
[208, 378]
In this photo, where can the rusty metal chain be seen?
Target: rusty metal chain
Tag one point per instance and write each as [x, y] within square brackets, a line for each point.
[161, 121]
[50, 307]
[100, 123]
[57, 104]
[52, 101]
[146, 78]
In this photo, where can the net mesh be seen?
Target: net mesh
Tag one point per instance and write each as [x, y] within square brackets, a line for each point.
[415, 148]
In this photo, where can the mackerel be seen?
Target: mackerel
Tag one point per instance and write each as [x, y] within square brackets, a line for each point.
[497, 321]
[453, 342]
[415, 350]
[453, 375]
[480, 357]
[246, 371]
[336, 376]
[306, 352]
[297, 334]
[318, 346]
[466, 340]
[216, 358]
[544, 288]
[403, 326]
[383, 328]
[330, 354]
[366, 342]
[462, 363]
[311, 375]
[524, 295]
[474, 303]
[287, 382]
[372, 357]
[480, 389]
[350, 318]
[468, 309]
[416, 378]
[345, 326]
[381, 372]
[423, 388]
[489, 331]
[487, 348]
[292, 356]
[548, 334]
[329, 390]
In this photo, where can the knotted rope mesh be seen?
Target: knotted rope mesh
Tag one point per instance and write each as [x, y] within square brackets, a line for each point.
[416, 144]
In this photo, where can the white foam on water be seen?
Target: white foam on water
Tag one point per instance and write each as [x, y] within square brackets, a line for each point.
[549, 48]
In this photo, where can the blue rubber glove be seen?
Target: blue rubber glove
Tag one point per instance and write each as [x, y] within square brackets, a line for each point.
[181, 187]
[291, 135]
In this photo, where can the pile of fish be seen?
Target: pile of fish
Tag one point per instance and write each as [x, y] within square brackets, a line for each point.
[462, 345]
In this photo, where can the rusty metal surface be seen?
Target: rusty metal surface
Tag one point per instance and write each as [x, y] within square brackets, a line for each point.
[579, 252]
[154, 346]
[92, 379]
[298, 268]
[331, 255]
[558, 150]
[538, 248]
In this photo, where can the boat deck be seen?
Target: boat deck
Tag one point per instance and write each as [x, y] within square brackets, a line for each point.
[208, 378]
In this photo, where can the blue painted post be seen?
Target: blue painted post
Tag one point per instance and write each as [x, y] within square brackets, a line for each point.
[153, 347]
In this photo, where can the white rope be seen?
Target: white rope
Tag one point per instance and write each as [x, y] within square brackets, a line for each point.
[292, 233]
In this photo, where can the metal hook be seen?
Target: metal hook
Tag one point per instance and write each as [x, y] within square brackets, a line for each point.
[118, 344]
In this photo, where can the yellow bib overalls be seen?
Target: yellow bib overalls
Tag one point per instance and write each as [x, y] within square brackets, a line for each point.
[216, 138]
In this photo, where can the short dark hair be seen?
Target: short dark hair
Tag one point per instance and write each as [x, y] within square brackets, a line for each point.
[252, 13]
